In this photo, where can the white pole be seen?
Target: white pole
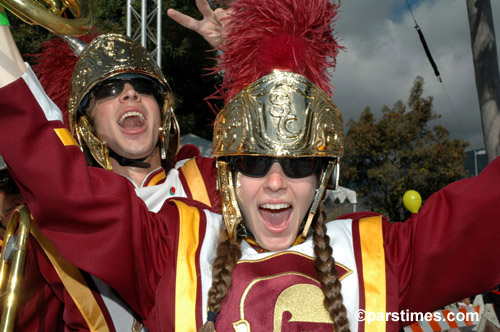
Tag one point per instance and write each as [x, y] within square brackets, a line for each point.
[144, 22]
[158, 34]
[129, 18]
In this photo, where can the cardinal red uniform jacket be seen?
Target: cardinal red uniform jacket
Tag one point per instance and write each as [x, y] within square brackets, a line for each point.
[160, 261]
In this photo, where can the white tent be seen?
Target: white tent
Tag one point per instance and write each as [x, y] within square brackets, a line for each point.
[341, 194]
[204, 145]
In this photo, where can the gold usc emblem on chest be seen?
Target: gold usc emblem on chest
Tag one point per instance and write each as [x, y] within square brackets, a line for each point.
[278, 293]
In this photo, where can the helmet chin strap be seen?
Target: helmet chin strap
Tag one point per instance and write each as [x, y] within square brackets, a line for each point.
[318, 197]
[126, 162]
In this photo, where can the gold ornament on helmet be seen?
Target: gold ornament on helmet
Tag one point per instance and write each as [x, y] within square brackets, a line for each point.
[283, 114]
[107, 57]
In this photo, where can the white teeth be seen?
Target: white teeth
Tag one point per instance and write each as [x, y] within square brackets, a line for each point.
[126, 115]
[275, 206]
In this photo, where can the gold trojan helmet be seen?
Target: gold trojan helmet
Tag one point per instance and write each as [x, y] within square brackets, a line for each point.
[282, 114]
[279, 48]
[114, 56]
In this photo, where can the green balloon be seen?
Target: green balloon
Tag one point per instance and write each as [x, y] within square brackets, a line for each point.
[412, 201]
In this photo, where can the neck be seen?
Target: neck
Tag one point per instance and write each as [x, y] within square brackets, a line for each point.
[138, 174]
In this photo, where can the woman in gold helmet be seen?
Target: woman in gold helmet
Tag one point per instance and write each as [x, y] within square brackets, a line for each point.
[277, 143]
[165, 274]
[280, 264]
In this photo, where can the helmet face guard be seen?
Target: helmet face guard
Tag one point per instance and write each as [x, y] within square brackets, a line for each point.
[281, 115]
[114, 56]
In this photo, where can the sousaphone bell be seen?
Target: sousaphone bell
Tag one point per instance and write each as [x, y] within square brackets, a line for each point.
[62, 17]
[12, 263]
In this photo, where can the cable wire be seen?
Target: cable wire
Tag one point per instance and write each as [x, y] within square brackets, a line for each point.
[456, 115]
[434, 66]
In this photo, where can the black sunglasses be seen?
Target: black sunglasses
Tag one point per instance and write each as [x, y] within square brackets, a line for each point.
[8, 185]
[113, 88]
[256, 166]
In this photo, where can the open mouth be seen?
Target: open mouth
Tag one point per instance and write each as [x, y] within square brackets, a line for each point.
[276, 216]
[132, 120]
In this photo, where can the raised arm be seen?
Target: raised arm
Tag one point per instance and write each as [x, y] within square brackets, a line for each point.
[211, 27]
[11, 63]
[450, 247]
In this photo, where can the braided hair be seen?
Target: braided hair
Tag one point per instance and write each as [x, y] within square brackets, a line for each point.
[327, 274]
[229, 252]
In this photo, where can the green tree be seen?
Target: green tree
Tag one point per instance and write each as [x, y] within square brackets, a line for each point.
[385, 158]
[186, 57]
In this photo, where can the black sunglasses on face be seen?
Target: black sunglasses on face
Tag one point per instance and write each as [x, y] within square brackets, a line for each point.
[8, 185]
[114, 87]
[295, 168]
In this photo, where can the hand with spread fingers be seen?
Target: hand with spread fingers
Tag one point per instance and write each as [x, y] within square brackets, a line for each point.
[211, 27]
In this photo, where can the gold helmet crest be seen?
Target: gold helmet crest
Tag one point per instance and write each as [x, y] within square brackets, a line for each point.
[108, 56]
[283, 114]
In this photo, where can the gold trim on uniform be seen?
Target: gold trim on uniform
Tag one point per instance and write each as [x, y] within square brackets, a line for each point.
[186, 275]
[291, 299]
[65, 136]
[347, 273]
[157, 178]
[74, 283]
[373, 258]
[195, 182]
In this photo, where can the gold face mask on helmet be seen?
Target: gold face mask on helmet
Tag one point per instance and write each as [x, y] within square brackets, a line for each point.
[106, 57]
[283, 114]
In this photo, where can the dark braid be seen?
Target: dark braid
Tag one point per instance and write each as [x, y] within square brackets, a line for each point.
[228, 254]
[328, 275]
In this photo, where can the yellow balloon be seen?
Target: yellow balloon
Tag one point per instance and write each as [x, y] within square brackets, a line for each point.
[412, 201]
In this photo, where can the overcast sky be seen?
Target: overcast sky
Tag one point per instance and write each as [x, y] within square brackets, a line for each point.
[384, 55]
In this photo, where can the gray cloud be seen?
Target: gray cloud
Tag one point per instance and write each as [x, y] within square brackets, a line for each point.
[384, 55]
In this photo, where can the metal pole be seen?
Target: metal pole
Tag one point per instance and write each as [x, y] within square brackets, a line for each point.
[480, 152]
[129, 18]
[475, 162]
[158, 34]
[144, 22]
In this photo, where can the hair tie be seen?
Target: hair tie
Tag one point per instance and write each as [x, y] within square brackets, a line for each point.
[211, 316]
[3, 17]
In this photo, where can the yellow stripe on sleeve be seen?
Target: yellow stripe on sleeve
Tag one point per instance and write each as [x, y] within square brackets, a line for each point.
[186, 277]
[74, 283]
[65, 136]
[373, 257]
[195, 182]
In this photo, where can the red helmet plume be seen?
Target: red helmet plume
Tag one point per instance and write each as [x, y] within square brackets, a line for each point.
[54, 65]
[294, 35]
